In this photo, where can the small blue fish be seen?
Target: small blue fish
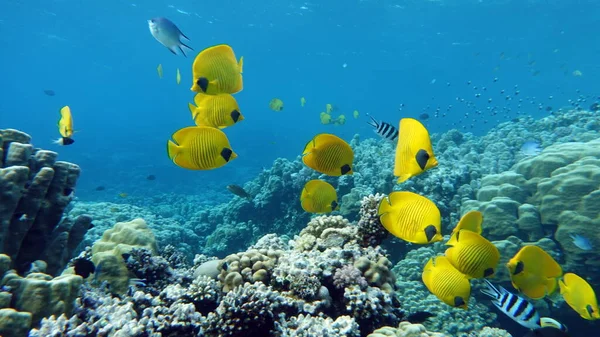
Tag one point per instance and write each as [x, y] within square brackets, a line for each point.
[531, 148]
[165, 32]
[581, 242]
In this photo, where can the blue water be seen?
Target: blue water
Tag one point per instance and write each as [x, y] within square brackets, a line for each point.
[100, 59]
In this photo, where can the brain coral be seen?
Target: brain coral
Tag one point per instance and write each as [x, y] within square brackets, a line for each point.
[555, 193]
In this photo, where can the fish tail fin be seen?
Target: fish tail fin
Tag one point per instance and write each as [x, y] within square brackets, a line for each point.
[185, 45]
[185, 37]
[182, 52]
[172, 50]
[491, 290]
[241, 65]
[372, 122]
[172, 150]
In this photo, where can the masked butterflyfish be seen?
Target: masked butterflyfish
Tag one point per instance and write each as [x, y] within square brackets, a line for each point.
[446, 282]
[410, 217]
[200, 148]
[325, 118]
[159, 70]
[414, 153]
[473, 255]
[319, 196]
[302, 101]
[328, 154]
[219, 111]
[65, 127]
[534, 272]
[340, 120]
[178, 76]
[167, 33]
[580, 296]
[216, 70]
[276, 104]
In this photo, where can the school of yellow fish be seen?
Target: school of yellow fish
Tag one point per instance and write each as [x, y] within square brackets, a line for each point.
[217, 75]
[533, 272]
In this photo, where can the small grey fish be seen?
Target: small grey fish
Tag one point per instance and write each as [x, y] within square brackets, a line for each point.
[167, 33]
[239, 191]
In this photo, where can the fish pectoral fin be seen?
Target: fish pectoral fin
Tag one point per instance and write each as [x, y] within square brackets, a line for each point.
[403, 177]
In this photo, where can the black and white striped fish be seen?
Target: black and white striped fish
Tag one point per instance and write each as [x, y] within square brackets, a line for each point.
[518, 308]
[384, 129]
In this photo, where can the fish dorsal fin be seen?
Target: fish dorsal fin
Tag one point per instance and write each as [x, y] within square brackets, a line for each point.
[471, 221]
[442, 262]
[325, 138]
[181, 136]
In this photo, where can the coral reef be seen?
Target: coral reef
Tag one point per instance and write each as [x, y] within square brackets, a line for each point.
[36, 189]
[405, 329]
[293, 281]
[112, 252]
[24, 301]
[554, 193]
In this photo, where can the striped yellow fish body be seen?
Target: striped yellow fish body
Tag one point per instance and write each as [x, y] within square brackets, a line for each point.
[65, 123]
[319, 196]
[411, 217]
[446, 282]
[219, 111]
[414, 152]
[200, 148]
[580, 296]
[534, 272]
[328, 154]
[217, 71]
[473, 255]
